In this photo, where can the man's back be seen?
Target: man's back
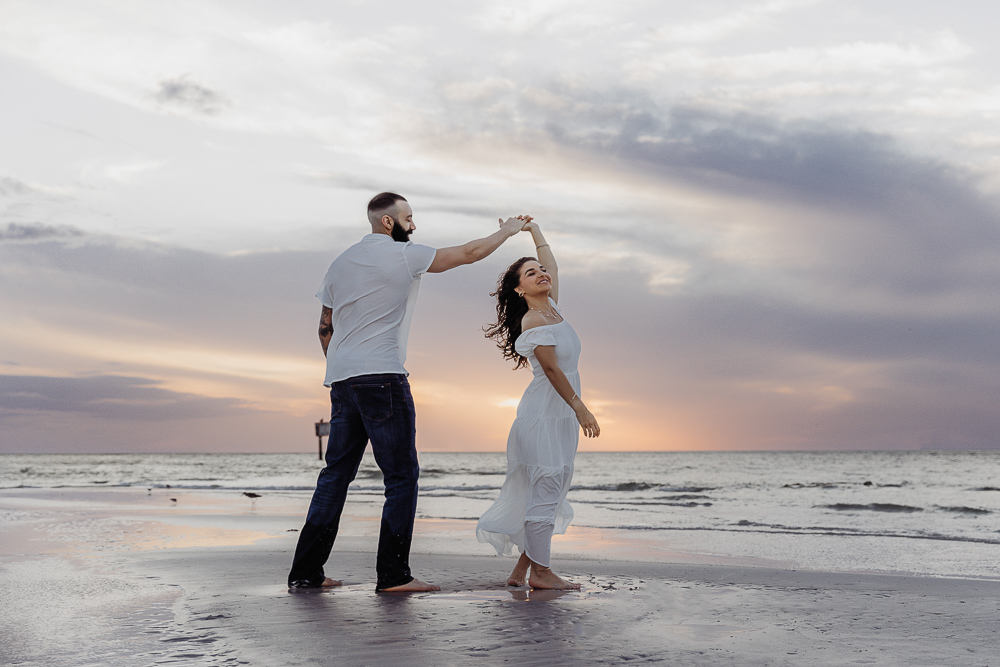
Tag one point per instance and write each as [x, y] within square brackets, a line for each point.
[370, 289]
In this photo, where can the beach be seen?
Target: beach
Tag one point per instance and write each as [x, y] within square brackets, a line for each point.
[164, 576]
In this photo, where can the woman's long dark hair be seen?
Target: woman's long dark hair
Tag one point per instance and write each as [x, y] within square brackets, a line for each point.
[511, 307]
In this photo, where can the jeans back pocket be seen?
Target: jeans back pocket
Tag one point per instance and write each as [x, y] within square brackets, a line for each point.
[374, 400]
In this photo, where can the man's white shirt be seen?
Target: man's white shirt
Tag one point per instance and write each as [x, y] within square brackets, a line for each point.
[372, 289]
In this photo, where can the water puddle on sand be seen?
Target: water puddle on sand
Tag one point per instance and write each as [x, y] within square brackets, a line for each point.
[500, 595]
[61, 611]
[517, 595]
[707, 632]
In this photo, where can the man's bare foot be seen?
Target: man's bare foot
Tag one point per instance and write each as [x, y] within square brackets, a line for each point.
[520, 571]
[415, 586]
[302, 585]
[545, 578]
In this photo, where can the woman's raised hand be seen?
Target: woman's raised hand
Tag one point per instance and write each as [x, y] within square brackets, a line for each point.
[528, 224]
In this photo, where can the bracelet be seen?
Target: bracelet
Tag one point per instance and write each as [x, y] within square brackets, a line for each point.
[570, 401]
[540, 246]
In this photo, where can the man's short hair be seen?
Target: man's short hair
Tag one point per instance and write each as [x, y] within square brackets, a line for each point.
[381, 203]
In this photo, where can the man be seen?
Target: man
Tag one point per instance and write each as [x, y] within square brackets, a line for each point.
[368, 297]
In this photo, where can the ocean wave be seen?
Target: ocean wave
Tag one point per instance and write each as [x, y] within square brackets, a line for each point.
[686, 489]
[438, 491]
[621, 486]
[832, 532]
[872, 507]
[426, 489]
[837, 485]
[459, 471]
[608, 504]
[964, 510]
[824, 530]
[642, 486]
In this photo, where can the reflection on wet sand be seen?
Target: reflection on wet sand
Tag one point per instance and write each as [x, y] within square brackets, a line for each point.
[538, 595]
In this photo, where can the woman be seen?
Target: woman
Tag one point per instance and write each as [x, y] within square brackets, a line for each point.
[543, 439]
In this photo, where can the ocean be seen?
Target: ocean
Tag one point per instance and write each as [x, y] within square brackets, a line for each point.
[929, 513]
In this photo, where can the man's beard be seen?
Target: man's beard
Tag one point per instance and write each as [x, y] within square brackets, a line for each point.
[399, 234]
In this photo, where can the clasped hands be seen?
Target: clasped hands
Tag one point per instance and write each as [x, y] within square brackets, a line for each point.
[520, 223]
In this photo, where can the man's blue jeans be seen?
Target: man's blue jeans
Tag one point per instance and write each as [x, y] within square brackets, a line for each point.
[376, 408]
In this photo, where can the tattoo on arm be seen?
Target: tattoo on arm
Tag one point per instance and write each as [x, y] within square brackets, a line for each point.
[326, 322]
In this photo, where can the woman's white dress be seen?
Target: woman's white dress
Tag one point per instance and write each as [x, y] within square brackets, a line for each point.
[540, 451]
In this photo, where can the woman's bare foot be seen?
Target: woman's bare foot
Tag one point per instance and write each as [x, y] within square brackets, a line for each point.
[545, 578]
[415, 586]
[328, 582]
[520, 571]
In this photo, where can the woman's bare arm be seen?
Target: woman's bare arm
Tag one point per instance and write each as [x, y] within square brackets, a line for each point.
[546, 355]
[545, 257]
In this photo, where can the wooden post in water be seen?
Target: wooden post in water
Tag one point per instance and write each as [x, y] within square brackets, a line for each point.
[322, 428]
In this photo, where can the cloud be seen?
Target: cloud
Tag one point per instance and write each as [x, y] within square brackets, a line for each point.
[182, 93]
[754, 360]
[734, 274]
[13, 187]
[37, 232]
[408, 185]
[156, 292]
[915, 222]
[112, 397]
[17, 189]
[127, 172]
[852, 58]
[857, 206]
[731, 21]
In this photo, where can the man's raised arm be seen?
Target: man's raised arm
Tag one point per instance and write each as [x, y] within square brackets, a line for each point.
[473, 251]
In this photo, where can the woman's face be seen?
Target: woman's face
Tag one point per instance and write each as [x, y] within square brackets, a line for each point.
[535, 280]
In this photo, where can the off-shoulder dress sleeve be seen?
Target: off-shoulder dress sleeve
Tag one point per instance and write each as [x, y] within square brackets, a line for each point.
[532, 338]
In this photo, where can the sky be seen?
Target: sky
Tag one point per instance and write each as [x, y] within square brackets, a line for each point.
[777, 222]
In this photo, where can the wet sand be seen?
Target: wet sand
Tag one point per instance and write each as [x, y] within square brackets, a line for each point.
[125, 579]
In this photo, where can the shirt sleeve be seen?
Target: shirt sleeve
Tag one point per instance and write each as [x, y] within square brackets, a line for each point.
[418, 258]
[532, 338]
[323, 294]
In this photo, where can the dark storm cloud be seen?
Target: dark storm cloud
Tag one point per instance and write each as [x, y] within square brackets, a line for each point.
[37, 232]
[107, 396]
[184, 93]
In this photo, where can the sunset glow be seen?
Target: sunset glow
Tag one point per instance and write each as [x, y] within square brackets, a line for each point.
[777, 223]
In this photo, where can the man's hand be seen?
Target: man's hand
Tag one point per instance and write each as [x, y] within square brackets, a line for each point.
[512, 225]
[473, 251]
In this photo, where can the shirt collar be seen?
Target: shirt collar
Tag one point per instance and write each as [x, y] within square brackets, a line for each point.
[378, 238]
